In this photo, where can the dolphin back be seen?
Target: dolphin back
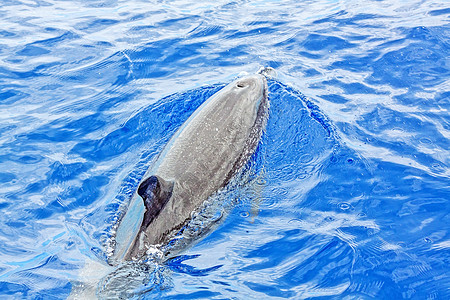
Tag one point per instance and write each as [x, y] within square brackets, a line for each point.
[201, 157]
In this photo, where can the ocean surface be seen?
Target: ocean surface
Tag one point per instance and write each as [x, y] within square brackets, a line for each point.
[348, 194]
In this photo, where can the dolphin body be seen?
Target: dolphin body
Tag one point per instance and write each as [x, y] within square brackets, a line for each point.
[201, 157]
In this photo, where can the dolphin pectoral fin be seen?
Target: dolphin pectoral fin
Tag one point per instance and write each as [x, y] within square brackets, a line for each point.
[258, 186]
[155, 193]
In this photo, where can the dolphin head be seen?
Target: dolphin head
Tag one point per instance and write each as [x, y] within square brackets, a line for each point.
[251, 89]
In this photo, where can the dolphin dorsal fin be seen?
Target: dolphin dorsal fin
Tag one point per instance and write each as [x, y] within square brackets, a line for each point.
[155, 192]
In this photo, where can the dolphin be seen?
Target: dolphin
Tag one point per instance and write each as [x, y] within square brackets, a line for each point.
[200, 158]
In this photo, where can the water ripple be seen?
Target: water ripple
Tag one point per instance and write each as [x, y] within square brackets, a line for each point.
[351, 194]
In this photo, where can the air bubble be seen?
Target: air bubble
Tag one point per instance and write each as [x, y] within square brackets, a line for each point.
[425, 141]
[344, 206]
[245, 214]
[306, 158]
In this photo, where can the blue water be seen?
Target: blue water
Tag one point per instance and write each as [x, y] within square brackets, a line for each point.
[350, 187]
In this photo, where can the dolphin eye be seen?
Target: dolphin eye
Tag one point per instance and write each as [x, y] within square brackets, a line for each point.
[240, 85]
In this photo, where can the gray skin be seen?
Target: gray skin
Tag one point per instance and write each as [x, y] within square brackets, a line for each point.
[201, 157]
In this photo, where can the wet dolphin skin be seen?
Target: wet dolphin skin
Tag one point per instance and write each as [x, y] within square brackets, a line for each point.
[201, 157]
